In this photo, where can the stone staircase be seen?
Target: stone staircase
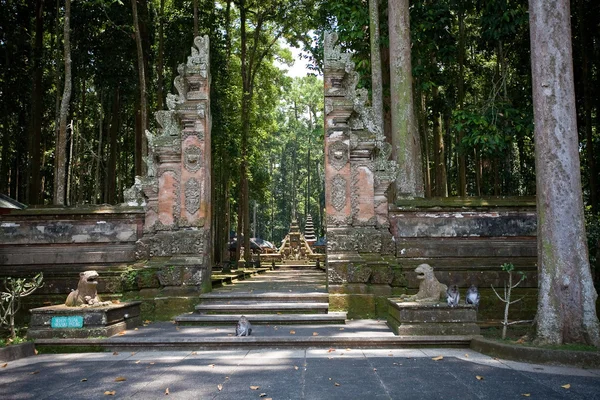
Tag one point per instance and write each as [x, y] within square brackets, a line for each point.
[289, 294]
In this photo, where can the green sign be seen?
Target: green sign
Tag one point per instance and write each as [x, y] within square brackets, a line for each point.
[71, 321]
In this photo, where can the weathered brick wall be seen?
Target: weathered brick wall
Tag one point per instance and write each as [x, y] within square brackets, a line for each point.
[466, 241]
[61, 242]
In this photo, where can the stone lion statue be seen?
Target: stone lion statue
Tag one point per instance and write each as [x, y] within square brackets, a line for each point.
[430, 289]
[86, 294]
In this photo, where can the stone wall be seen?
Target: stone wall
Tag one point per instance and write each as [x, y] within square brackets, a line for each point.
[465, 240]
[61, 242]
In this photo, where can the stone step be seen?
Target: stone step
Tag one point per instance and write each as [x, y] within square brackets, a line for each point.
[231, 343]
[261, 319]
[254, 307]
[314, 297]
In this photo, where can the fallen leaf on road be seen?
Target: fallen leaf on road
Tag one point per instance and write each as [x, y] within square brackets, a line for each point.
[438, 358]
[152, 363]
[254, 387]
[526, 395]
[37, 372]
[347, 349]
[121, 333]
[336, 384]
[341, 329]
[148, 321]
[115, 353]
[110, 393]
[4, 365]
[330, 350]
[35, 352]
[167, 391]
[135, 329]
[120, 379]
[138, 361]
[567, 386]
[315, 334]
[374, 369]
[220, 387]
[211, 365]
[263, 395]
[479, 378]
[292, 332]
[296, 367]
[194, 353]
[84, 380]
[466, 355]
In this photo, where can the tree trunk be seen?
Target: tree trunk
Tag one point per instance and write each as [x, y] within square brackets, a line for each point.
[425, 141]
[406, 149]
[567, 298]
[35, 136]
[462, 164]
[98, 158]
[111, 168]
[441, 186]
[141, 144]
[376, 80]
[60, 164]
[161, 55]
[195, 18]
[478, 173]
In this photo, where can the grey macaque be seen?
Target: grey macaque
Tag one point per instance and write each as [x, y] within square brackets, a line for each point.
[453, 296]
[472, 296]
[243, 328]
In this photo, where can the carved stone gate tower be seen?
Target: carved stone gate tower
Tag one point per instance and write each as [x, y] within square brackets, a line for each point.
[357, 175]
[177, 188]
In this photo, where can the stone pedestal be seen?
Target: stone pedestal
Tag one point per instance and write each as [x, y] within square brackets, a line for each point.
[97, 321]
[417, 319]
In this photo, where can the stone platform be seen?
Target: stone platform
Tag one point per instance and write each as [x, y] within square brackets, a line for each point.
[412, 318]
[97, 321]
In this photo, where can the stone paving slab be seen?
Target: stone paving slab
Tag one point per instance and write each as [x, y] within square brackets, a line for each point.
[291, 374]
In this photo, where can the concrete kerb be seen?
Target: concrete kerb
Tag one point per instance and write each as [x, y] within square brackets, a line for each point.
[580, 359]
[536, 355]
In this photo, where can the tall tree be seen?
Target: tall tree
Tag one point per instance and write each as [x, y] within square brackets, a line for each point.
[60, 161]
[406, 148]
[141, 144]
[35, 136]
[567, 298]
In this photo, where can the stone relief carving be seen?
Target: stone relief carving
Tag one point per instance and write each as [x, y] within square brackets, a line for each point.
[192, 159]
[180, 84]
[334, 57]
[168, 123]
[338, 192]
[201, 108]
[199, 59]
[336, 220]
[193, 192]
[338, 154]
[134, 196]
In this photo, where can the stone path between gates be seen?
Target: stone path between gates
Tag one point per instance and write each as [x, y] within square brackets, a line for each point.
[291, 374]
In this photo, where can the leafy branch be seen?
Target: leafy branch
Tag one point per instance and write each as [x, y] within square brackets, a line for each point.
[509, 268]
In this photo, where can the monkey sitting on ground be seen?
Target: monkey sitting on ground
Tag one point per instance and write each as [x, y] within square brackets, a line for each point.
[243, 328]
[472, 296]
[453, 296]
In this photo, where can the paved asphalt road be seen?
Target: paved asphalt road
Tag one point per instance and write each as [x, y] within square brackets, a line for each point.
[291, 374]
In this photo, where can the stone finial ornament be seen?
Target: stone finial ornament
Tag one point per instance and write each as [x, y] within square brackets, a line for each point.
[86, 294]
[430, 289]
